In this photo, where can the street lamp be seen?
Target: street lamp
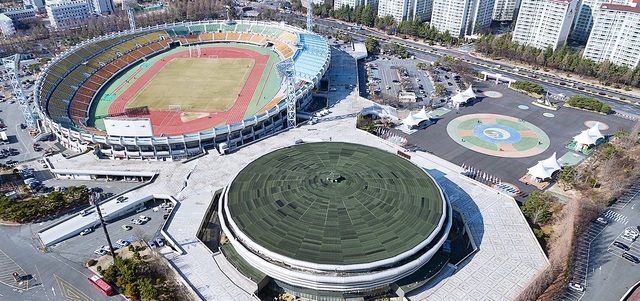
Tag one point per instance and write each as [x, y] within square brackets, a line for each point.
[94, 199]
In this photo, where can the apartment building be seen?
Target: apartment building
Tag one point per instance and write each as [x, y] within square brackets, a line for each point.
[67, 14]
[615, 35]
[101, 7]
[462, 17]
[543, 23]
[586, 13]
[505, 10]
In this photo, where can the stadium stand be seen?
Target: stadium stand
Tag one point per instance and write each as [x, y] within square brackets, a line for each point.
[70, 84]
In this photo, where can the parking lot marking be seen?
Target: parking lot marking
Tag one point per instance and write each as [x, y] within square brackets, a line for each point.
[616, 217]
[7, 267]
[70, 292]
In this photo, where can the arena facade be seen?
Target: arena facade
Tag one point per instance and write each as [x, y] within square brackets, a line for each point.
[75, 88]
[334, 220]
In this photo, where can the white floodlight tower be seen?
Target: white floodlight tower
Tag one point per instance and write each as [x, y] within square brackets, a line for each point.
[12, 66]
[286, 69]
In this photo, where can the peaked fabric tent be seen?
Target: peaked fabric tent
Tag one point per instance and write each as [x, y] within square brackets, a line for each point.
[588, 136]
[415, 119]
[545, 168]
[464, 96]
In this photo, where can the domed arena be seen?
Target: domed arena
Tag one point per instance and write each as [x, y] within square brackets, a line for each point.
[334, 219]
[169, 92]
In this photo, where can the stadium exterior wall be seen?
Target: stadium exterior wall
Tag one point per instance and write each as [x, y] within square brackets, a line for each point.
[334, 278]
[181, 146]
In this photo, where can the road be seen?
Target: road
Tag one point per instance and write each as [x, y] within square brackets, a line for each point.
[431, 53]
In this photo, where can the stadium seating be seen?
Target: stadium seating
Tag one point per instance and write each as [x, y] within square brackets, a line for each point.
[310, 59]
[72, 83]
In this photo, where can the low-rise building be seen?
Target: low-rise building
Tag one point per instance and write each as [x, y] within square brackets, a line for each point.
[68, 14]
[6, 26]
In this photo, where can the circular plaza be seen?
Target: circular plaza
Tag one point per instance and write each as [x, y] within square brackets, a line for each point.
[334, 217]
[498, 135]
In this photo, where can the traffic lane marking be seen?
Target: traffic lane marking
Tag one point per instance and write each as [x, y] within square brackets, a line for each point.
[69, 291]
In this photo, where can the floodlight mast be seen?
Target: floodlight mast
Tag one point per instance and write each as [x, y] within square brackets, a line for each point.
[287, 70]
[12, 66]
[94, 199]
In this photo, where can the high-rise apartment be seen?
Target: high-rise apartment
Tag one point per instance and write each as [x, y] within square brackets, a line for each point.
[505, 10]
[615, 35]
[461, 17]
[544, 23]
[6, 26]
[403, 10]
[586, 13]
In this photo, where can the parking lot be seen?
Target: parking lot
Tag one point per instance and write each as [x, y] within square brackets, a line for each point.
[392, 75]
[81, 248]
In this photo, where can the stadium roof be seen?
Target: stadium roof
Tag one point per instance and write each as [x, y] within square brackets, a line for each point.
[335, 203]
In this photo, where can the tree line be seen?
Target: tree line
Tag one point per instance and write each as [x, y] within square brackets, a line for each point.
[45, 206]
[563, 59]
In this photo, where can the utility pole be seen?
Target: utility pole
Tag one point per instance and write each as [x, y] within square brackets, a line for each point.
[94, 199]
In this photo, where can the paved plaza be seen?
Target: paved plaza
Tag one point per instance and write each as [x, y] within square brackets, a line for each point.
[444, 137]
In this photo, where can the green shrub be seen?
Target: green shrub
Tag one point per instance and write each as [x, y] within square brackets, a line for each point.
[623, 98]
[588, 103]
[528, 87]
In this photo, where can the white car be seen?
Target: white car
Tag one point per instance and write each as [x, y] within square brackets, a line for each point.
[629, 238]
[576, 286]
[123, 242]
[602, 221]
[86, 231]
[144, 218]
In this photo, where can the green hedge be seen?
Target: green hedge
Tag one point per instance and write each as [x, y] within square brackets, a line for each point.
[527, 87]
[588, 103]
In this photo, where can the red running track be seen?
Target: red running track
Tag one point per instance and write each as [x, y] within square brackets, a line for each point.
[169, 123]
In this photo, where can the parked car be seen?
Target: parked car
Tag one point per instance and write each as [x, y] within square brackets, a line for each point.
[126, 227]
[86, 231]
[121, 199]
[576, 286]
[141, 209]
[136, 221]
[621, 245]
[601, 220]
[100, 251]
[152, 244]
[160, 241]
[123, 242]
[144, 218]
[630, 257]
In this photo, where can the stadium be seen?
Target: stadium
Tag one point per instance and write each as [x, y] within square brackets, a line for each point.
[170, 92]
[333, 220]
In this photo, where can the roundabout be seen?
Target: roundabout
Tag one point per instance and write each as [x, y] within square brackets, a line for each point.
[498, 135]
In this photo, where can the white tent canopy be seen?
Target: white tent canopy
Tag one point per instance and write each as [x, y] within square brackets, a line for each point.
[545, 168]
[589, 136]
[415, 119]
[463, 96]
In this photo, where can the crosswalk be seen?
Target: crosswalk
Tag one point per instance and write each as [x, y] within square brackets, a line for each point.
[616, 217]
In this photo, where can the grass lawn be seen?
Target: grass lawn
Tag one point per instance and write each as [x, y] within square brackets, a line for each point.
[196, 84]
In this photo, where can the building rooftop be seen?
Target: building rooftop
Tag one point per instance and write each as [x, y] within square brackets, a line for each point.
[335, 203]
[618, 7]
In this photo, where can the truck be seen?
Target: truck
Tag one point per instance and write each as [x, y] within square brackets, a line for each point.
[3, 138]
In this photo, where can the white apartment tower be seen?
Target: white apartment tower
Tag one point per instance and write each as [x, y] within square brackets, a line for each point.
[403, 10]
[101, 7]
[615, 35]
[67, 14]
[462, 17]
[352, 3]
[33, 4]
[586, 13]
[6, 26]
[543, 23]
[505, 10]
